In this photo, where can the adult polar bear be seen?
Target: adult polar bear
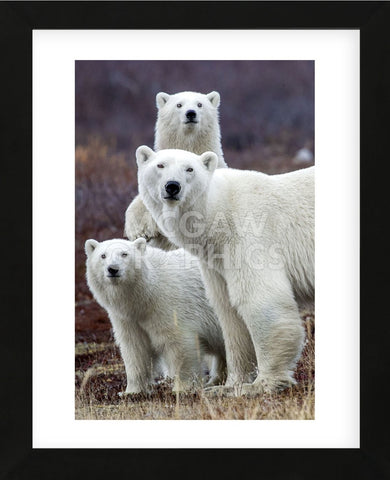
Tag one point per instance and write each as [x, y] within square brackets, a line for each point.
[188, 121]
[254, 235]
[159, 311]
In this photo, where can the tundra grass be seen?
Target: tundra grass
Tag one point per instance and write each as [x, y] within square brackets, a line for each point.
[100, 377]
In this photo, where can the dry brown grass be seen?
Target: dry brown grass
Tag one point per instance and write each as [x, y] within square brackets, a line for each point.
[283, 406]
[100, 376]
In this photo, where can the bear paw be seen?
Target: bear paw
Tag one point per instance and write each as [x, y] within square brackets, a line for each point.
[129, 394]
[251, 389]
[269, 384]
[220, 391]
[244, 389]
[139, 222]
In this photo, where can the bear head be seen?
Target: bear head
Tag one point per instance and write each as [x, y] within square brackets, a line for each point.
[174, 177]
[113, 261]
[188, 111]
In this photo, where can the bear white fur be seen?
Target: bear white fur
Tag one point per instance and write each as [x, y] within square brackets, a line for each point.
[254, 236]
[161, 318]
[188, 121]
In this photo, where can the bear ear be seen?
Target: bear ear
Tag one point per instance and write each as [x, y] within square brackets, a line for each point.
[214, 98]
[140, 244]
[143, 154]
[161, 99]
[90, 246]
[209, 160]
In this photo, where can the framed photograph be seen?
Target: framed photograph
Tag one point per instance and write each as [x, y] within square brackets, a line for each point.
[105, 173]
[292, 92]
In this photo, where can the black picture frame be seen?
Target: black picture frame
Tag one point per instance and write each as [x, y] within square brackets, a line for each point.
[18, 459]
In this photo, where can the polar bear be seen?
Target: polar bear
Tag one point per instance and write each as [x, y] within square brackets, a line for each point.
[189, 121]
[254, 236]
[159, 312]
[185, 120]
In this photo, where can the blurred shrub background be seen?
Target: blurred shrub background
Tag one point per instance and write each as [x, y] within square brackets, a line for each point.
[266, 117]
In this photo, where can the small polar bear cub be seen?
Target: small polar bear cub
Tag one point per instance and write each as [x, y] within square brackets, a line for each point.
[157, 306]
[188, 121]
[254, 236]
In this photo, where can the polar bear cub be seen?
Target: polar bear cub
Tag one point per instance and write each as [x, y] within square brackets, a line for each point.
[254, 236]
[185, 120]
[160, 316]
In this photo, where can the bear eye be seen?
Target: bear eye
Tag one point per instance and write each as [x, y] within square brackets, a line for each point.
[190, 169]
[124, 254]
[160, 165]
[103, 255]
[179, 105]
[199, 105]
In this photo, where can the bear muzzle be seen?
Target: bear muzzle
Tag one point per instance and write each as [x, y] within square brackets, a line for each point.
[113, 271]
[191, 116]
[172, 188]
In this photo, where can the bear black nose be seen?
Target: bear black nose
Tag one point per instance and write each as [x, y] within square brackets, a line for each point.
[191, 114]
[113, 270]
[172, 188]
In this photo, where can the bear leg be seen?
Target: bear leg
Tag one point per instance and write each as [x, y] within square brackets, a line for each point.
[136, 352]
[240, 354]
[273, 320]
